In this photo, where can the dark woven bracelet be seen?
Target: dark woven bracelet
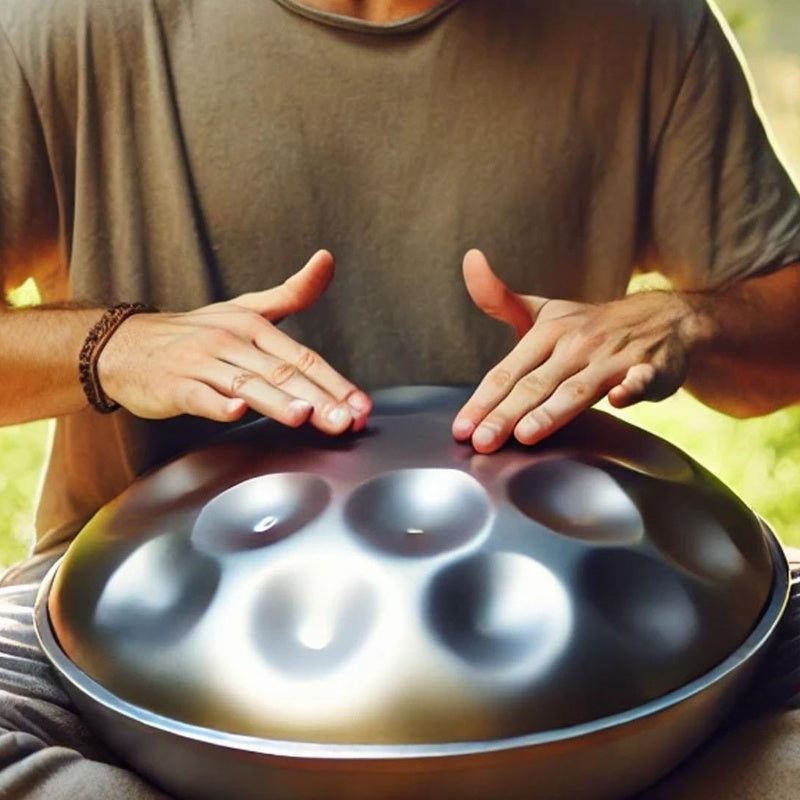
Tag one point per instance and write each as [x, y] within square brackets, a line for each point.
[96, 340]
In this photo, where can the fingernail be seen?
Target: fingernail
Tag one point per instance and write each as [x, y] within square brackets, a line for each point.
[484, 436]
[463, 428]
[299, 408]
[527, 428]
[339, 416]
[359, 402]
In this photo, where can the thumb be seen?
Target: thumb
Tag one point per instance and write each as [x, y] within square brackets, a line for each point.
[493, 297]
[297, 292]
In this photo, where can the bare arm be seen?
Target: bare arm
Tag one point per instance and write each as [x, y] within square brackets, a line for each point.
[736, 350]
[213, 362]
[749, 363]
[38, 362]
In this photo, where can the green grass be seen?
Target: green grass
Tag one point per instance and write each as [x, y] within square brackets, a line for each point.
[759, 459]
[21, 454]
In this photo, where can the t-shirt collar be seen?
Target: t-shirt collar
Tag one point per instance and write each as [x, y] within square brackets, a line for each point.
[354, 24]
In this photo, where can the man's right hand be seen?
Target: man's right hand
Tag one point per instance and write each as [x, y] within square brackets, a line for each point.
[219, 360]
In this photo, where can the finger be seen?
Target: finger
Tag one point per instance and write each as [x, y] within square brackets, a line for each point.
[232, 341]
[492, 296]
[530, 391]
[310, 364]
[635, 387]
[329, 413]
[654, 380]
[262, 397]
[499, 382]
[359, 423]
[296, 293]
[274, 401]
[570, 398]
[200, 400]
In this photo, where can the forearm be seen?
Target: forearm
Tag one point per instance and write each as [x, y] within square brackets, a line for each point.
[747, 360]
[736, 349]
[214, 362]
[39, 362]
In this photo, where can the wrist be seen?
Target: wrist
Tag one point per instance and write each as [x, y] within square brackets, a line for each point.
[695, 323]
[93, 347]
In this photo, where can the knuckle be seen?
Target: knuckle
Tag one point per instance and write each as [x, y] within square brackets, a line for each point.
[478, 407]
[643, 373]
[499, 378]
[239, 383]
[637, 351]
[648, 372]
[577, 346]
[581, 344]
[552, 329]
[498, 422]
[542, 417]
[532, 384]
[578, 391]
[255, 325]
[306, 360]
[594, 330]
[218, 338]
[282, 373]
[290, 290]
[225, 415]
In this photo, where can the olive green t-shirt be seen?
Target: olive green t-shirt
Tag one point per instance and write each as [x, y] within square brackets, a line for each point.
[182, 151]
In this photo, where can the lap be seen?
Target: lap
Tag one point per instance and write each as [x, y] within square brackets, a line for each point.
[46, 751]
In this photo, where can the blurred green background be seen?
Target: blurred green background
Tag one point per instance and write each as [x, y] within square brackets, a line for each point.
[759, 459]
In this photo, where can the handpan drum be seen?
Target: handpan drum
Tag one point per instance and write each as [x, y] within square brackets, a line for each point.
[290, 616]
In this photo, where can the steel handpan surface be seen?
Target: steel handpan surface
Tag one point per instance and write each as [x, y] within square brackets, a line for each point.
[395, 597]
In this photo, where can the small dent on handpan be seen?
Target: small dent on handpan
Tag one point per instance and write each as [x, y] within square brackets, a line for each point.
[313, 619]
[260, 512]
[159, 593]
[643, 600]
[699, 532]
[418, 512]
[501, 612]
[578, 499]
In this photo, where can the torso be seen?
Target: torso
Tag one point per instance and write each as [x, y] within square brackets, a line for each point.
[221, 144]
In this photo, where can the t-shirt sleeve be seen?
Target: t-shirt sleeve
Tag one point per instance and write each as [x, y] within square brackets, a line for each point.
[723, 205]
[28, 206]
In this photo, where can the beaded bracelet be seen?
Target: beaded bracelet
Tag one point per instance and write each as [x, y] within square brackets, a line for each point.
[96, 340]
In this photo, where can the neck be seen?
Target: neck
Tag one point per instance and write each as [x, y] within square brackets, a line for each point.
[377, 11]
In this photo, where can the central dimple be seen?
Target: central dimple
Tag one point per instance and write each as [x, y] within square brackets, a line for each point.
[260, 512]
[266, 524]
[419, 512]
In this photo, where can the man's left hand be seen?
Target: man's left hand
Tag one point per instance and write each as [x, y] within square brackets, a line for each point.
[569, 355]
